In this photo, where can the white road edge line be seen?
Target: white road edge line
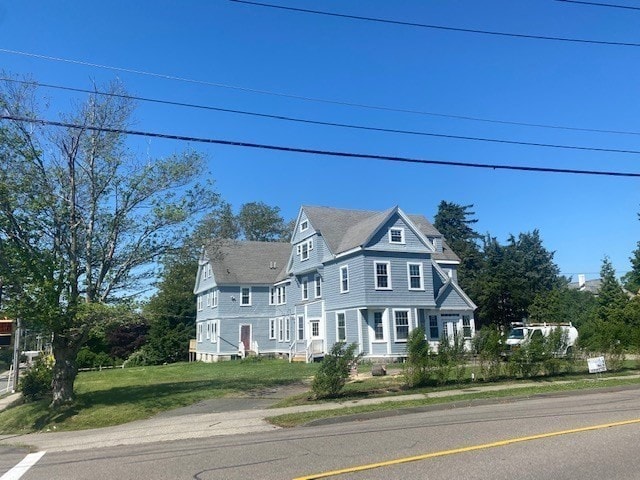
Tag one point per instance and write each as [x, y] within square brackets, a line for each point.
[20, 469]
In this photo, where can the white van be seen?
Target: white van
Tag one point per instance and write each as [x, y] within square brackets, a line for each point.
[522, 333]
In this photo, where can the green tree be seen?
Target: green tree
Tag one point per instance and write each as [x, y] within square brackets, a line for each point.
[611, 297]
[512, 275]
[219, 224]
[84, 218]
[260, 222]
[172, 312]
[456, 222]
[563, 305]
[418, 365]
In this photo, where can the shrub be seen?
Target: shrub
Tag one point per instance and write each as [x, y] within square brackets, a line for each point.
[334, 370]
[417, 367]
[488, 346]
[139, 358]
[35, 383]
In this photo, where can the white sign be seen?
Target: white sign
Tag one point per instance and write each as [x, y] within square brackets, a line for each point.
[596, 365]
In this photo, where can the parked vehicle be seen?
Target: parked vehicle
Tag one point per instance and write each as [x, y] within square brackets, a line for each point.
[522, 333]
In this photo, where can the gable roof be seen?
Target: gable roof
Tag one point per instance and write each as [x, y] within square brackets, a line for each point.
[344, 229]
[248, 262]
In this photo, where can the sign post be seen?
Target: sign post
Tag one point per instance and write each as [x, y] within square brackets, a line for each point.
[16, 357]
[596, 365]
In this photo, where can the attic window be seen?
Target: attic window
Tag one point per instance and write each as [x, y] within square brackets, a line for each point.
[396, 235]
[304, 225]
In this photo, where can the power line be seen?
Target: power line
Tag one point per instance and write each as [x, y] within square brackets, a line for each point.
[334, 124]
[309, 99]
[598, 4]
[331, 153]
[439, 27]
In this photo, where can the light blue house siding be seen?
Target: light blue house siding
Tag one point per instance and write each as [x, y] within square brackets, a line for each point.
[410, 241]
[380, 275]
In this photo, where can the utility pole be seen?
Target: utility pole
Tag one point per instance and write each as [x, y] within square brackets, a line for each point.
[16, 356]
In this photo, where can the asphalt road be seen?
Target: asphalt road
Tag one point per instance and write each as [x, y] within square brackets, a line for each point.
[602, 453]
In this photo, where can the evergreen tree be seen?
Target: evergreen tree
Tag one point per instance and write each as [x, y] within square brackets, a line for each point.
[512, 276]
[611, 297]
[631, 279]
[455, 223]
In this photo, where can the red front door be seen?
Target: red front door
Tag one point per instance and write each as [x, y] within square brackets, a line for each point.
[245, 336]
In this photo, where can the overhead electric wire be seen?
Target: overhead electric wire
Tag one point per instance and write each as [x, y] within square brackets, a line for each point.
[599, 4]
[439, 27]
[310, 99]
[334, 124]
[331, 153]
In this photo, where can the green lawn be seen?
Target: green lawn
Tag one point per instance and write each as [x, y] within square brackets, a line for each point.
[112, 397]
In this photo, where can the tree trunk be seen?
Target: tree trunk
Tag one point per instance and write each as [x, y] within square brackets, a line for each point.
[64, 371]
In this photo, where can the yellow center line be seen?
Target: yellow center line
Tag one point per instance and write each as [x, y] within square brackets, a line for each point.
[454, 451]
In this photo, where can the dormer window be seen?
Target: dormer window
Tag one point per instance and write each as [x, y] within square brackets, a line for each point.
[304, 248]
[304, 225]
[396, 235]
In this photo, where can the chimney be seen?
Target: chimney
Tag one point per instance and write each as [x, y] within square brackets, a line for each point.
[581, 280]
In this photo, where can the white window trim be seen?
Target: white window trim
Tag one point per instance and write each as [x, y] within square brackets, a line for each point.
[304, 289]
[304, 225]
[344, 316]
[395, 325]
[272, 295]
[280, 329]
[208, 295]
[215, 298]
[346, 269]
[287, 329]
[200, 302]
[208, 335]
[421, 287]
[317, 287]
[300, 323]
[214, 331]
[401, 230]
[242, 296]
[373, 328]
[272, 329]
[304, 252]
[375, 273]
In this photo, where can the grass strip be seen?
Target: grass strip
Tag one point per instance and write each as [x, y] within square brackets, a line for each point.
[296, 419]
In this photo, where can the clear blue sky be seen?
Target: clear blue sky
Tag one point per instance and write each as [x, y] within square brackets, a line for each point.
[581, 218]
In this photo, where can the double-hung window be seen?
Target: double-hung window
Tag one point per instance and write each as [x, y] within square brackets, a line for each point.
[466, 326]
[383, 278]
[396, 235]
[344, 279]
[300, 327]
[200, 301]
[305, 289]
[341, 327]
[245, 296]
[414, 276]
[272, 329]
[401, 319]
[434, 332]
[378, 326]
[318, 284]
[214, 331]
[215, 298]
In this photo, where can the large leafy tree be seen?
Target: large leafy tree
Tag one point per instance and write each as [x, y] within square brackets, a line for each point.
[84, 219]
[261, 222]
